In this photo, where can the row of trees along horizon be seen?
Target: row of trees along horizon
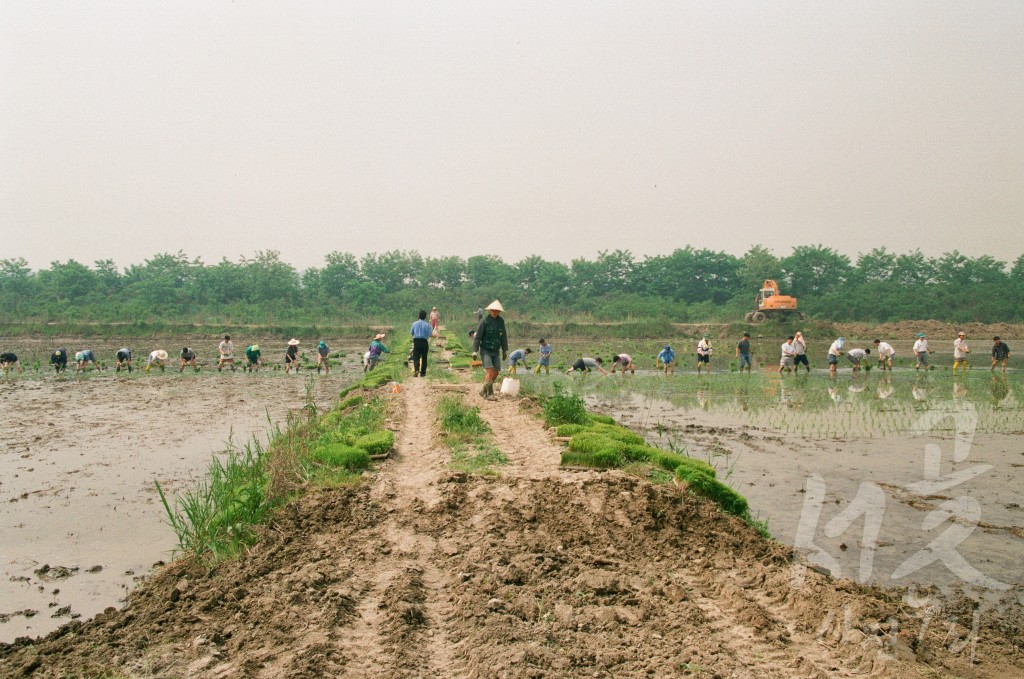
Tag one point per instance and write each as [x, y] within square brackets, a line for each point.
[688, 285]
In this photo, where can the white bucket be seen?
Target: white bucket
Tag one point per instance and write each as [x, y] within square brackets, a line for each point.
[510, 386]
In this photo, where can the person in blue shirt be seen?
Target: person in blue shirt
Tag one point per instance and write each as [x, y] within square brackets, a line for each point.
[515, 358]
[322, 353]
[667, 358]
[544, 361]
[421, 331]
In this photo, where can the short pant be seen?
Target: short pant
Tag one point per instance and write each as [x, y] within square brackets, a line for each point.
[123, 356]
[922, 358]
[833, 359]
[801, 359]
[491, 360]
[579, 365]
[786, 362]
[745, 358]
[703, 358]
[544, 360]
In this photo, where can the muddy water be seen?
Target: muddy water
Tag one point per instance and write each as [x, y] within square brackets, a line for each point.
[80, 519]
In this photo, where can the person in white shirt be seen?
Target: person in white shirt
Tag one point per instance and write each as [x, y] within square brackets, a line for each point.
[960, 351]
[835, 350]
[226, 351]
[921, 352]
[855, 357]
[885, 353]
[704, 352]
[800, 353]
[788, 352]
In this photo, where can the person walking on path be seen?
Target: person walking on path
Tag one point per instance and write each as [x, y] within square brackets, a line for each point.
[291, 356]
[59, 359]
[786, 362]
[624, 361]
[435, 318]
[800, 353]
[885, 353]
[123, 358]
[960, 351]
[667, 358]
[704, 351]
[586, 364]
[421, 332]
[835, 350]
[188, 357]
[1000, 353]
[921, 352]
[252, 358]
[743, 352]
[226, 351]
[516, 357]
[544, 360]
[9, 360]
[322, 353]
[479, 314]
[490, 339]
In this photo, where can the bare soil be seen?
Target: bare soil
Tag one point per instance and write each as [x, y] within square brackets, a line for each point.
[425, 572]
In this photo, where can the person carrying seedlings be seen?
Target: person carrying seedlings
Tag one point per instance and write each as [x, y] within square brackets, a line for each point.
[421, 332]
[83, 358]
[667, 359]
[252, 358]
[788, 352]
[516, 357]
[435, 318]
[623, 361]
[921, 352]
[322, 352]
[544, 359]
[704, 351]
[59, 360]
[375, 352]
[855, 356]
[835, 350]
[123, 358]
[885, 353]
[800, 353]
[291, 356]
[226, 351]
[960, 351]
[743, 352]
[1000, 353]
[490, 339]
[586, 364]
[157, 359]
[9, 360]
[187, 357]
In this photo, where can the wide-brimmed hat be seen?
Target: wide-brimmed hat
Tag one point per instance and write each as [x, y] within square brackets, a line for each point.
[293, 342]
[161, 354]
[255, 347]
[379, 336]
[920, 334]
[961, 333]
[495, 306]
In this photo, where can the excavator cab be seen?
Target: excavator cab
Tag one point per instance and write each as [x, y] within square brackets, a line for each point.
[769, 303]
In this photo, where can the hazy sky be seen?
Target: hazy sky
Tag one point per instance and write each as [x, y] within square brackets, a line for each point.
[508, 128]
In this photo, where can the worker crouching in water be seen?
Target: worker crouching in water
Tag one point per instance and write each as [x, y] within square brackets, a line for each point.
[490, 340]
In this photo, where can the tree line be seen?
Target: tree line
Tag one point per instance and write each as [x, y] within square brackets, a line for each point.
[688, 285]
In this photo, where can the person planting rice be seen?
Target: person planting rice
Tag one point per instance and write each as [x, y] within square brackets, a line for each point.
[322, 352]
[786, 362]
[516, 357]
[800, 353]
[1000, 353]
[835, 350]
[9, 360]
[226, 351]
[291, 356]
[667, 359]
[544, 359]
[123, 358]
[375, 353]
[623, 361]
[885, 353]
[490, 339]
[743, 352]
[157, 359]
[960, 351]
[187, 357]
[83, 358]
[421, 332]
[252, 358]
[704, 351]
[921, 352]
[856, 356]
[59, 360]
[586, 364]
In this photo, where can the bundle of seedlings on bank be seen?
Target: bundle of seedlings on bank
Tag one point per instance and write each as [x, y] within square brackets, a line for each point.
[469, 437]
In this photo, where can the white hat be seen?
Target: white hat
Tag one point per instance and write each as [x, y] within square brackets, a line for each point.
[161, 354]
[293, 342]
[379, 336]
[495, 306]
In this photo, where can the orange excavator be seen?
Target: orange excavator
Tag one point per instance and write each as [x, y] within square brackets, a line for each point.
[770, 304]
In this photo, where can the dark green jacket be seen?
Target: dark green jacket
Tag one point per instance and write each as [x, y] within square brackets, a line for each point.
[490, 335]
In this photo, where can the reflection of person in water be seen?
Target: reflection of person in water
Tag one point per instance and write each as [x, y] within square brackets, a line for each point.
[959, 390]
[833, 393]
[999, 388]
[920, 389]
[885, 388]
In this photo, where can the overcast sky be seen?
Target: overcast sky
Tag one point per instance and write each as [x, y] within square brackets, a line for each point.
[508, 128]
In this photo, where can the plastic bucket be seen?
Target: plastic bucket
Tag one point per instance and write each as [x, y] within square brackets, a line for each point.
[509, 386]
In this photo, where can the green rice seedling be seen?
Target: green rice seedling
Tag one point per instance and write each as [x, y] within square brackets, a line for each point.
[606, 459]
[483, 462]
[596, 418]
[376, 443]
[459, 421]
[616, 432]
[570, 429]
[564, 408]
[571, 458]
[342, 456]
[725, 497]
[351, 402]
[591, 442]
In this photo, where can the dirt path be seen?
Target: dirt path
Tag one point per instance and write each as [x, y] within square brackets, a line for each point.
[427, 572]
